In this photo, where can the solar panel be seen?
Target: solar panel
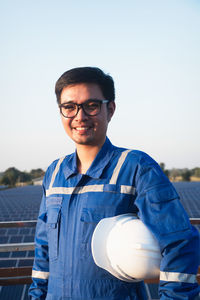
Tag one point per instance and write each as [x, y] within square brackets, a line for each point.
[12, 292]
[189, 193]
[20, 203]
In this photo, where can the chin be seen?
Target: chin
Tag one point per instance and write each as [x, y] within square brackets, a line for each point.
[87, 142]
[84, 142]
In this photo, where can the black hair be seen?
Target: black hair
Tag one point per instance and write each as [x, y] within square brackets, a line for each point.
[86, 75]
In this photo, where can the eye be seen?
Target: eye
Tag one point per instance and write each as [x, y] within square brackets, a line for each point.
[92, 105]
[69, 107]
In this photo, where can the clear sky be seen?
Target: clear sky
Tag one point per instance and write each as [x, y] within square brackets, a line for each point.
[150, 48]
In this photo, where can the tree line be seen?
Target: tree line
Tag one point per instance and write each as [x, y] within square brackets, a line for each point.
[12, 176]
[181, 174]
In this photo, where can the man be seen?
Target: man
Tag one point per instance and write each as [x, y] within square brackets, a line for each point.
[100, 180]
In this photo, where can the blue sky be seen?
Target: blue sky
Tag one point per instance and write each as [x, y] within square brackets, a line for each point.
[151, 48]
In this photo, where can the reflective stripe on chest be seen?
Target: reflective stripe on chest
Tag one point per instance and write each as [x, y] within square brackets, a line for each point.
[124, 189]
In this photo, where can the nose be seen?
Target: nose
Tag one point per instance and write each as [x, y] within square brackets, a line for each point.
[81, 114]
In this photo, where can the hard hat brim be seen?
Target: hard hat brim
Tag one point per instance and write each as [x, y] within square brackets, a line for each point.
[98, 247]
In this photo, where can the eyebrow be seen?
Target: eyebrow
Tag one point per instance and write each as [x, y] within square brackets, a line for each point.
[73, 101]
[70, 101]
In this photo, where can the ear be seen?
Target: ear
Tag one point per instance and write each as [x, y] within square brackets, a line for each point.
[111, 109]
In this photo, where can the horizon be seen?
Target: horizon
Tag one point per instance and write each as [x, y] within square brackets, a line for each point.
[43, 169]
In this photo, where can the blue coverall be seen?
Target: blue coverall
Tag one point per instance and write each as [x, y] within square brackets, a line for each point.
[119, 181]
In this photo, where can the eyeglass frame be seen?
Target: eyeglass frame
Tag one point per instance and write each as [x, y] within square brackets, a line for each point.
[82, 106]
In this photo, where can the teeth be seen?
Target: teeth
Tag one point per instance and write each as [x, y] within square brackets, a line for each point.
[82, 128]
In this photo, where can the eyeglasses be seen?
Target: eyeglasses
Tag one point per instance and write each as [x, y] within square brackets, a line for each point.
[90, 107]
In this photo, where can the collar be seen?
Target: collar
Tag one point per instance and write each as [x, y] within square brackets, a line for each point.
[97, 166]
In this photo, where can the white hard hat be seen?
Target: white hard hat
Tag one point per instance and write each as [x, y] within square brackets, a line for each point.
[126, 248]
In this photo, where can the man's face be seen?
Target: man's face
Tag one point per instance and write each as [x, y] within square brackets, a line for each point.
[83, 129]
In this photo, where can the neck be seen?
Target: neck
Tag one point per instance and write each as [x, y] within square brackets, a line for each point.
[85, 156]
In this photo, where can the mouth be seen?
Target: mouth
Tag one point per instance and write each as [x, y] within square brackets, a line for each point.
[82, 129]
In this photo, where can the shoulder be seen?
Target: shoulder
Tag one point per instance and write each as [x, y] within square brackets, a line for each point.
[145, 166]
[138, 157]
[137, 161]
[51, 168]
[148, 171]
[144, 161]
[141, 157]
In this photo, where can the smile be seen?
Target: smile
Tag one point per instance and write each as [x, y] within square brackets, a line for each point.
[82, 128]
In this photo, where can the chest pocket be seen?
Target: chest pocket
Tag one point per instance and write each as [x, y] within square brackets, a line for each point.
[53, 223]
[89, 219]
[92, 215]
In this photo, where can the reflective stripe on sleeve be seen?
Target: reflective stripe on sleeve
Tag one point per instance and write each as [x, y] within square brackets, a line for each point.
[177, 277]
[127, 189]
[40, 274]
[56, 171]
[121, 160]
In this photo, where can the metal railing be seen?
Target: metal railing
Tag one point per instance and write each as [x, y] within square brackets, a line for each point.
[22, 275]
[18, 246]
[15, 224]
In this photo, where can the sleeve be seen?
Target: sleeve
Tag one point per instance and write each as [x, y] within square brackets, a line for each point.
[40, 271]
[160, 209]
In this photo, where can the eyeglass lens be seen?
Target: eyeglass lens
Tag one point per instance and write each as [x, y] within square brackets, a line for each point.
[90, 108]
